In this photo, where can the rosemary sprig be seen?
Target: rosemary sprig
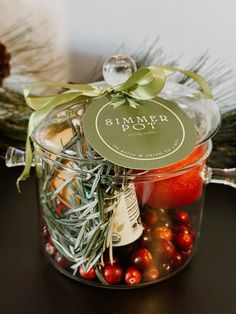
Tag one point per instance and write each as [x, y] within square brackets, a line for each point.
[100, 276]
[100, 201]
[83, 232]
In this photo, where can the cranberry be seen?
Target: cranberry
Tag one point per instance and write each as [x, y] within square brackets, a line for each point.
[62, 261]
[132, 276]
[165, 222]
[146, 238]
[165, 249]
[166, 268]
[150, 274]
[147, 230]
[50, 240]
[50, 248]
[164, 217]
[141, 258]
[60, 208]
[177, 260]
[91, 274]
[184, 241]
[186, 254]
[184, 229]
[181, 217]
[163, 233]
[45, 232]
[107, 260]
[113, 274]
[162, 212]
[149, 216]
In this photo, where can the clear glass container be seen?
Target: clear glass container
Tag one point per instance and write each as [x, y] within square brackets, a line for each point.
[165, 206]
[109, 226]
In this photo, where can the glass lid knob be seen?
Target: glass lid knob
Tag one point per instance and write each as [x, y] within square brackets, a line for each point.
[117, 69]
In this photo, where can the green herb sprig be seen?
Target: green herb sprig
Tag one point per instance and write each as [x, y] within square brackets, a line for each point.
[82, 232]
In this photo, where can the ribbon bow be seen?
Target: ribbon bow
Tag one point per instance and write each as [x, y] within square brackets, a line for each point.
[143, 84]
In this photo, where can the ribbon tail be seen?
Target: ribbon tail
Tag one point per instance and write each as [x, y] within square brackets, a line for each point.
[28, 161]
[36, 118]
[203, 84]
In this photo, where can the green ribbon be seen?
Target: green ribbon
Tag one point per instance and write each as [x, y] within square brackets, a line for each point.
[144, 84]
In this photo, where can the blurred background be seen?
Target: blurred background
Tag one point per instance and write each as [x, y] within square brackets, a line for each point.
[85, 31]
[68, 41]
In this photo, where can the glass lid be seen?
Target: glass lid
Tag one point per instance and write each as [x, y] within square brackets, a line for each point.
[61, 132]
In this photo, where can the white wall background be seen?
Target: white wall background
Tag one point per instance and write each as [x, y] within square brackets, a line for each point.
[90, 29]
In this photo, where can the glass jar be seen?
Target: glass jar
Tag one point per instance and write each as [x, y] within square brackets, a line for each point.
[164, 208]
[115, 227]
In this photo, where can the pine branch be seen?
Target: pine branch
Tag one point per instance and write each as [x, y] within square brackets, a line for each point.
[221, 78]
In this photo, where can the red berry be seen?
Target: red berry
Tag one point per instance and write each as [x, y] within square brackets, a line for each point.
[147, 230]
[184, 241]
[183, 229]
[186, 254]
[132, 276]
[146, 238]
[107, 261]
[91, 274]
[162, 212]
[141, 258]
[166, 268]
[113, 274]
[165, 250]
[50, 240]
[181, 217]
[150, 274]
[149, 216]
[62, 261]
[45, 232]
[177, 260]
[60, 208]
[163, 233]
[50, 248]
[165, 222]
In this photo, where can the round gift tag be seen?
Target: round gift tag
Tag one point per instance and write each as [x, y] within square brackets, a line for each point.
[139, 134]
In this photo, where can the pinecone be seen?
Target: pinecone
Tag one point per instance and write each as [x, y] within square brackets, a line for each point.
[4, 63]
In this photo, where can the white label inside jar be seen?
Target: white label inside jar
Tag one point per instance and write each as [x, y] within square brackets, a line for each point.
[127, 225]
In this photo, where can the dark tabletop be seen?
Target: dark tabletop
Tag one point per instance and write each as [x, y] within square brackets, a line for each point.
[28, 284]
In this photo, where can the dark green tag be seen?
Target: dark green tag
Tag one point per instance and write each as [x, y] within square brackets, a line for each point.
[154, 134]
